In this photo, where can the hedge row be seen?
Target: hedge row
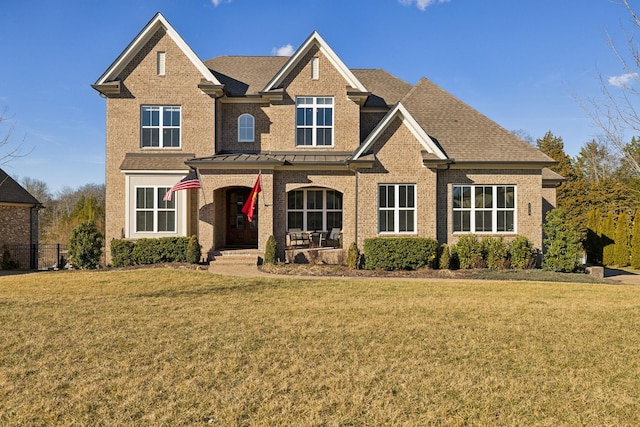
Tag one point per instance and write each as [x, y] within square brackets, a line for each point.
[470, 252]
[490, 252]
[153, 251]
[408, 253]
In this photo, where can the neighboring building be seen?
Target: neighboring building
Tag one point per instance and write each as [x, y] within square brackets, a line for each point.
[18, 219]
[354, 150]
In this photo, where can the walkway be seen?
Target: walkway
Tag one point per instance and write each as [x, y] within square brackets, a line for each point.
[628, 277]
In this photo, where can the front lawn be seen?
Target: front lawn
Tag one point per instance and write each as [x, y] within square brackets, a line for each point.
[183, 347]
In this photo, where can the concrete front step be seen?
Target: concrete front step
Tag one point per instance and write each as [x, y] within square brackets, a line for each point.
[239, 257]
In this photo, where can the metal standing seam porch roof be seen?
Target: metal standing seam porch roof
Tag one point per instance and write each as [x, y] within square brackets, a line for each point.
[278, 159]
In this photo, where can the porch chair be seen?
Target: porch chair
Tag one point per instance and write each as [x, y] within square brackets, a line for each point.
[298, 237]
[334, 237]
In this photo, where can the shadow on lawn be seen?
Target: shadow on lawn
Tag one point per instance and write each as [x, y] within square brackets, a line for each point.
[613, 272]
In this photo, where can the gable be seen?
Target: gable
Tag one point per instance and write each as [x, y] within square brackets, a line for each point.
[314, 41]
[399, 112]
[157, 23]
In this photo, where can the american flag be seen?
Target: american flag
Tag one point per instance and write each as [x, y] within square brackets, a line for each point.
[189, 182]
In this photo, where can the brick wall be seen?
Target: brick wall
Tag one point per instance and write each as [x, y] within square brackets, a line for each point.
[528, 184]
[142, 86]
[281, 115]
[400, 162]
[15, 225]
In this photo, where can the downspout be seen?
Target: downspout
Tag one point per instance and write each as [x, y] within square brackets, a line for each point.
[355, 171]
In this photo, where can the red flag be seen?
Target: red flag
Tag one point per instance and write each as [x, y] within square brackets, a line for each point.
[189, 182]
[250, 205]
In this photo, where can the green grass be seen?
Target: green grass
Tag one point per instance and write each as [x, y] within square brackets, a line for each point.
[183, 347]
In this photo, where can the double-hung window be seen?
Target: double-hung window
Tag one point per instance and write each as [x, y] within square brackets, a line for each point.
[314, 121]
[161, 126]
[397, 208]
[484, 208]
[314, 209]
[153, 214]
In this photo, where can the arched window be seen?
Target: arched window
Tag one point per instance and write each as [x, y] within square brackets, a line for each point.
[245, 128]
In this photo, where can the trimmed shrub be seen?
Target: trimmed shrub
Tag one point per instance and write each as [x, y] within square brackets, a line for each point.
[635, 242]
[521, 253]
[444, 263]
[353, 257]
[193, 250]
[562, 242]
[7, 262]
[622, 250]
[152, 251]
[397, 253]
[470, 252]
[121, 253]
[85, 245]
[271, 251]
[496, 252]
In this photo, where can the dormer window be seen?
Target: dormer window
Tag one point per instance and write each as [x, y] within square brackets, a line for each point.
[246, 128]
[314, 121]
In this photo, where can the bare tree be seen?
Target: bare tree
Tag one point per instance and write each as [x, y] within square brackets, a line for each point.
[617, 115]
[8, 153]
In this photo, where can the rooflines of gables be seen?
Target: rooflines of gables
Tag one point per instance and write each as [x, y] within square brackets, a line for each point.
[400, 111]
[312, 40]
[105, 82]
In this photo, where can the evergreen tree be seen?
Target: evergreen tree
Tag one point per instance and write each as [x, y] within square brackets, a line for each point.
[608, 240]
[562, 243]
[553, 146]
[85, 245]
[635, 242]
[622, 245]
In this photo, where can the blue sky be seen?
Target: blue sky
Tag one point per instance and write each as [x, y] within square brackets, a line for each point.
[521, 63]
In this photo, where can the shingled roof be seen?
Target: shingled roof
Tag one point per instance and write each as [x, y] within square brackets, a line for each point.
[12, 192]
[248, 75]
[245, 75]
[465, 134]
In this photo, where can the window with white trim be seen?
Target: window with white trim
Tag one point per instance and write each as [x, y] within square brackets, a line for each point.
[246, 126]
[160, 126]
[154, 215]
[484, 208]
[314, 121]
[396, 208]
[314, 209]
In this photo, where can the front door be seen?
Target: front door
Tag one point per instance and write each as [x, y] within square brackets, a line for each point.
[240, 232]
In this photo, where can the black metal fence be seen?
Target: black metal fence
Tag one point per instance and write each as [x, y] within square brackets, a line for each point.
[42, 256]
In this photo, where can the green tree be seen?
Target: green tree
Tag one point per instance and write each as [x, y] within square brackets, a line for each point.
[553, 146]
[85, 245]
[608, 239]
[635, 241]
[622, 247]
[562, 243]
